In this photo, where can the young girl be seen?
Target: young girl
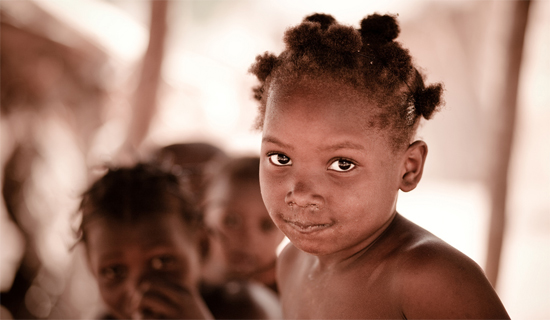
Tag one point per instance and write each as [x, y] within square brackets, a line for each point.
[240, 224]
[339, 108]
[142, 240]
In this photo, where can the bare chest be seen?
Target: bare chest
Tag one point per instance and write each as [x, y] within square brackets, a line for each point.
[351, 294]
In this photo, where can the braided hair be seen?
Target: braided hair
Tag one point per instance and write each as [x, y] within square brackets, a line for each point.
[368, 60]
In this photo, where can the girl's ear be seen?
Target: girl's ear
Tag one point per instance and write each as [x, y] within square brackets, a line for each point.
[413, 165]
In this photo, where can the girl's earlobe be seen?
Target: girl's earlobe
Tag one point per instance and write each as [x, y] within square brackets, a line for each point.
[413, 167]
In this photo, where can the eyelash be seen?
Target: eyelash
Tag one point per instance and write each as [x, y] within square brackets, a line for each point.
[270, 157]
[351, 163]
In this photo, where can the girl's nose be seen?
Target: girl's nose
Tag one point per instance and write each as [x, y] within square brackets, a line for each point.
[303, 194]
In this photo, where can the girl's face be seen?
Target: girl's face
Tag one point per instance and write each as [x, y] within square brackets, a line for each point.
[144, 269]
[329, 183]
[240, 223]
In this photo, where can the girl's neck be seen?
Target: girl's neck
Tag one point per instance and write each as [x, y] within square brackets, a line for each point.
[346, 257]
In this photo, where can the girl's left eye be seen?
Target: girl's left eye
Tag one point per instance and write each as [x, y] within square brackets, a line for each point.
[341, 165]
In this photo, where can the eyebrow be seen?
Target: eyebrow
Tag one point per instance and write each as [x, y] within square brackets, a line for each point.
[277, 142]
[338, 146]
[343, 145]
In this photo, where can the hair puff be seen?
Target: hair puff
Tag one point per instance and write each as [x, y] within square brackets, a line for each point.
[343, 39]
[428, 100]
[325, 20]
[264, 65]
[378, 29]
[322, 50]
[320, 32]
[305, 36]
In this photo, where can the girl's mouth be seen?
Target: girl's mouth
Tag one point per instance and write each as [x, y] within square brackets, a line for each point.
[307, 227]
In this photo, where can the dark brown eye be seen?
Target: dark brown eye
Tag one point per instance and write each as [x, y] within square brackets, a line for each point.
[279, 159]
[341, 165]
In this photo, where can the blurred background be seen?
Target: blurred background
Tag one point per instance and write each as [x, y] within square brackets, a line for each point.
[83, 84]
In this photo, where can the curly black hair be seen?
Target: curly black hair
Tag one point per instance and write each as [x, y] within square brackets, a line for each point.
[130, 194]
[368, 59]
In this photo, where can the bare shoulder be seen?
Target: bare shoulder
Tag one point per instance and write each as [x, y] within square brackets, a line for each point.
[289, 253]
[288, 259]
[438, 281]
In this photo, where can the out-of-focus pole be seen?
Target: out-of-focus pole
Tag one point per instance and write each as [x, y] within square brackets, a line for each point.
[144, 101]
[504, 117]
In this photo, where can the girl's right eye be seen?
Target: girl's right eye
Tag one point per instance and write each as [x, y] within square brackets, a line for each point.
[279, 159]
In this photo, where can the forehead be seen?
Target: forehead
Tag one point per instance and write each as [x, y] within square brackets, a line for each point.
[321, 96]
[322, 103]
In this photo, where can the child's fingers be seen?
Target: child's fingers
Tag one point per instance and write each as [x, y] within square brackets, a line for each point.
[164, 299]
[173, 289]
[155, 305]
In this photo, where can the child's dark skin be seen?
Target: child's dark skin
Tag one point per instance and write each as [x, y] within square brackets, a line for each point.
[147, 269]
[351, 254]
[339, 109]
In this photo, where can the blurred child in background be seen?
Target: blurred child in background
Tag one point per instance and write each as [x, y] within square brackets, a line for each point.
[199, 163]
[238, 220]
[243, 237]
[142, 236]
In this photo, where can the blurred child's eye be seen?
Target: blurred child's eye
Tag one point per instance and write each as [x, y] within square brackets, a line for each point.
[279, 159]
[162, 262]
[341, 165]
[113, 273]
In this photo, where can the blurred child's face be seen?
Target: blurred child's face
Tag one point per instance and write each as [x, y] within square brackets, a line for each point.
[143, 269]
[239, 220]
[329, 182]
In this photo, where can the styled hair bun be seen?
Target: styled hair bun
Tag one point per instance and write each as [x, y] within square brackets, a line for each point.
[343, 39]
[319, 32]
[306, 35]
[264, 65]
[378, 29]
[325, 20]
[428, 99]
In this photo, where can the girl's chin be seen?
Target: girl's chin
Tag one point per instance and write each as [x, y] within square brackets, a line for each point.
[314, 248]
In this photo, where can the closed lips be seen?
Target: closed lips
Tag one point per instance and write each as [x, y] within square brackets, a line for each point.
[308, 226]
